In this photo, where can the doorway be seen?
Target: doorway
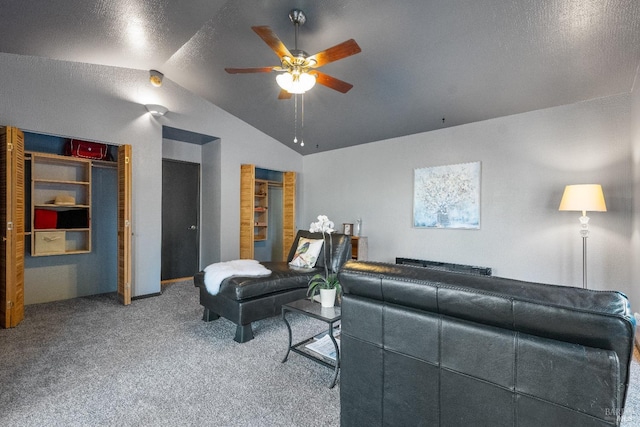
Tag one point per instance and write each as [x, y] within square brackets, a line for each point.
[180, 220]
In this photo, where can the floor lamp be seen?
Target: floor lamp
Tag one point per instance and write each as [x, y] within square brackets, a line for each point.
[583, 198]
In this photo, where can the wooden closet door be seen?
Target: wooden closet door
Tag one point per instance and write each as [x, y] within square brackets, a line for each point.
[12, 220]
[247, 210]
[288, 212]
[124, 224]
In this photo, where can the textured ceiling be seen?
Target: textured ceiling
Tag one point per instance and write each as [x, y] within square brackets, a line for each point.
[422, 61]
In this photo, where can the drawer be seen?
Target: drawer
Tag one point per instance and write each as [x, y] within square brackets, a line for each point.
[49, 242]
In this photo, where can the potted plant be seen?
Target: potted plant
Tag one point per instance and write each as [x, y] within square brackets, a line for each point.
[328, 287]
[328, 284]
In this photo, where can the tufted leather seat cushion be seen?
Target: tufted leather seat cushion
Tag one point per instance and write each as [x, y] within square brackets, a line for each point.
[282, 278]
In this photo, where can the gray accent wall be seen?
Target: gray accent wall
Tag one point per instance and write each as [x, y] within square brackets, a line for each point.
[527, 159]
[634, 192]
[80, 100]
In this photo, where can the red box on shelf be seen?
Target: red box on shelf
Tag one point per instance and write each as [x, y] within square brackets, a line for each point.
[87, 149]
[45, 218]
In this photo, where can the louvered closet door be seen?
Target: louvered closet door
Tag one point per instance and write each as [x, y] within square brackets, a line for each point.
[288, 212]
[12, 222]
[247, 210]
[124, 224]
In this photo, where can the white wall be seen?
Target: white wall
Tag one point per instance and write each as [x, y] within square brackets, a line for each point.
[106, 104]
[634, 293]
[527, 160]
[181, 151]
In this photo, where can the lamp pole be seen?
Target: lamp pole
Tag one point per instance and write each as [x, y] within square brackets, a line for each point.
[584, 232]
[583, 198]
[584, 262]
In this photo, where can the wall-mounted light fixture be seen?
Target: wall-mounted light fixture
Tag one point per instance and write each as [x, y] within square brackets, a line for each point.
[156, 110]
[155, 78]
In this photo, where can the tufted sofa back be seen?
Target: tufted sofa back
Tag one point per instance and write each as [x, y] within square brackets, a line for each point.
[448, 349]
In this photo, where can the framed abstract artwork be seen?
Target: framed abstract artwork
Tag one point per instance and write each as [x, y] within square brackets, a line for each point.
[447, 196]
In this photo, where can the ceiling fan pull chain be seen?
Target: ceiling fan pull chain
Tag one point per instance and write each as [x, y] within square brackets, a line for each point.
[302, 123]
[295, 119]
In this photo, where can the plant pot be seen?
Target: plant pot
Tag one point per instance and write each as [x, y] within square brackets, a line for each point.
[328, 297]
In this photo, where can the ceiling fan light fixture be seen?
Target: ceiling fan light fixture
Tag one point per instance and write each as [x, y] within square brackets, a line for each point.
[296, 83]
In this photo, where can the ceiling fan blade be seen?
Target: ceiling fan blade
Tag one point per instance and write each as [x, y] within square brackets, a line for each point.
[284, 94]
[331, 82]
[272, 40]
[339, 51]
[249, 70]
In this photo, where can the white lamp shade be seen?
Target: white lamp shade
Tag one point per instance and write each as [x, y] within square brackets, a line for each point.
[299, 83]
[583, 197]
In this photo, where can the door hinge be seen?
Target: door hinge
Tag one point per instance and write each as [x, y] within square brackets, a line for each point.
[10, 146]
[126, 159]
[9, 304]
[10, 225]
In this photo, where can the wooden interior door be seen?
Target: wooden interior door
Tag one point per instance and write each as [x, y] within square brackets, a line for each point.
[12, 220]
[247, 210]
[124, 224]
[288, 212]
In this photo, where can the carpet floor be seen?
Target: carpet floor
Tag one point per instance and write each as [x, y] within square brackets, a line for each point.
[91, 361]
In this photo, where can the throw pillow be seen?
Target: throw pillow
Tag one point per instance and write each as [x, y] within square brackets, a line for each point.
[307, 253]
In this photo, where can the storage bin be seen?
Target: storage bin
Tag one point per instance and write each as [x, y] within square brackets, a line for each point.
[49, 242]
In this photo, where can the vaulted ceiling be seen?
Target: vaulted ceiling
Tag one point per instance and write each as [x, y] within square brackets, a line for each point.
[424, 65]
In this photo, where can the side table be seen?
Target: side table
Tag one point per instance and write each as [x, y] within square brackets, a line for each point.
[316, 311]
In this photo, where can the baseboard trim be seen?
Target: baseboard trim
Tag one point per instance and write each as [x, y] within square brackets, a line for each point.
[162, 283]
[156, 294]
[181, 279]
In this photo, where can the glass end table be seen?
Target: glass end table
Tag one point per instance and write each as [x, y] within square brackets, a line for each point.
[317, 348]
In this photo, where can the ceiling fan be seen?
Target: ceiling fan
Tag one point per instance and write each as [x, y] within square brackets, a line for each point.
[299, 70]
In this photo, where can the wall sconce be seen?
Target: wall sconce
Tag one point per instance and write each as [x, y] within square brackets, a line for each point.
[583, 198]
[156, 110]
[155, 78]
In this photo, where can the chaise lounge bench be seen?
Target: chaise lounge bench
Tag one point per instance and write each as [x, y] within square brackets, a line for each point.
[244, 300]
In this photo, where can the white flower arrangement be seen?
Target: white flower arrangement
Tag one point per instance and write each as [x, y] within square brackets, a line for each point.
[323, 225]
[329, 281]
